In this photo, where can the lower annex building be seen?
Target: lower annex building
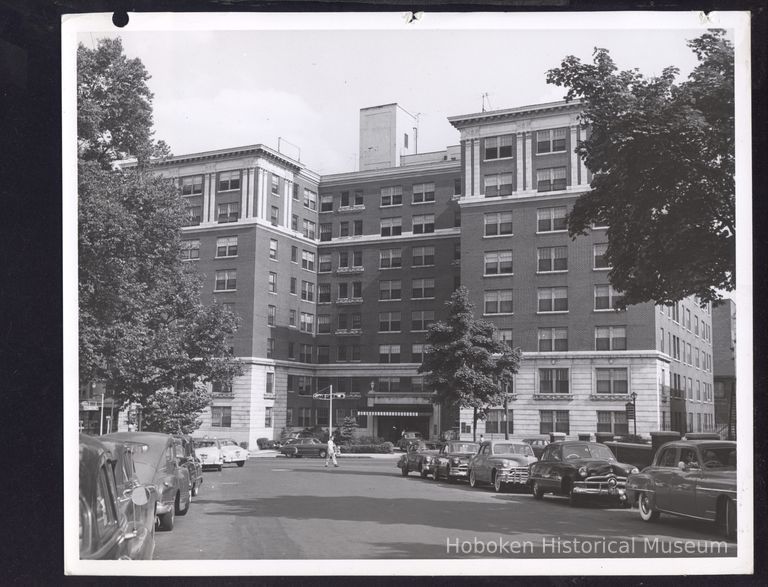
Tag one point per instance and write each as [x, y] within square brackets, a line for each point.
[336, 279]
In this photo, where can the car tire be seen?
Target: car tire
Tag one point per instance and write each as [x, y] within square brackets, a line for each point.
[472, 478]
[538, 492]
[498, 486]
[404, 470]
[183, 511]
[240, 463]
[728, 517]
[218, 467]
[166, 520]
[322, 454]
[648, 513]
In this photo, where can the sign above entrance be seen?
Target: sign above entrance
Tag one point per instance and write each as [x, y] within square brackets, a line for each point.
[329, 395]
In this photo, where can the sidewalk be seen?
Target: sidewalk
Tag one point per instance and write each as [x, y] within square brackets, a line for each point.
[260, 454]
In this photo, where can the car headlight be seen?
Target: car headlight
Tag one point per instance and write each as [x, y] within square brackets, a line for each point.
[428, 460]
[582, 471]
[634, 470]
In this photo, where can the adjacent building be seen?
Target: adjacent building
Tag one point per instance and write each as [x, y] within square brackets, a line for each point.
[724, 351]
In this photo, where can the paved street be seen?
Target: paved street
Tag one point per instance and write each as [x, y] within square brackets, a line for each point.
[296, 508]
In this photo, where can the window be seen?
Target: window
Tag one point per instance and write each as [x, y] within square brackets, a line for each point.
[422, 319]
[227, 247]
[389, 321]
[551, 219]
[323, 293]
[294, 222]
[226, 280]
[552, 259]
[417, 385]
[553, 299]
[305, 417]
[613, 422]
[423, 223]
[323, 324]
[270, 348]
[357, 289]
[498, 223]
[457, 218]
[272, 282]
[598, 256]
[391, 226]
[221, 416]
[495, 422]
[190, 250]
[343, 289]
[229, 180]
[405, 140]
[358, 198]
[423, 256]
[324, 263]
[326, 231]
[310, 199]
[391, 196]
[323, 354]
[612, 338]
[194, 215]
[221, 388]
[498, 301]
[291, 322]
[274, 216]
[389, 384]
[550, 141]
[295, 192]
[305, 353]
[192, 186]
[417, 353]
[457, 186]
[499, 184]
[687, 319]
[498, 263]
[389, 353]
[553, 339]
[423, 192]
[550, 179]
[554, 421]
[606, 298]
[661, 345]
[698, 360]
[271, 313]
[268, 412]
[307, 260]
[307, 291]
[612, 380]
[505, 336]
[553, 380]
[272, 248]
[344, 259]
[293, 286]
[356, 321]
[696, 325]
[390, 258]
[326, 203]
[348, 352]
[307, 322]
[390, 289]
[308, 228]
[499, 147]
[229, 212]
[423, 288]
[294, 254]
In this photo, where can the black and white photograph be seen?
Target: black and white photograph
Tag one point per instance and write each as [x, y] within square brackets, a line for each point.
[407, 293]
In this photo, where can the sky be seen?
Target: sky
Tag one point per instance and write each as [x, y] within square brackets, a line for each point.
[224, 88]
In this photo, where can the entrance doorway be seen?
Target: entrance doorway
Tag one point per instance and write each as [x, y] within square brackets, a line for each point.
[391, 427]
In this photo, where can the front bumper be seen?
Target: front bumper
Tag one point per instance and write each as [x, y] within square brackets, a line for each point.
[603, 485]
[458, 471]
[514, 476]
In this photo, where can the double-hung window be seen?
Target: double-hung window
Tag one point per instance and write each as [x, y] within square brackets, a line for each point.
[275, 183]
[390, 258]
[551, 219]
[323, 293]
[323, 323]
[307, 260]
[613, 422]
[192, 186]
[326, 231]
[324, 263]
[552, 259]
[498, 223]
[606, 298]
[550, 179]
[274, 216]
[307, 291]
[272, 282]
[423, 223]
[423, 288]
[390, 289]
[553, 380]
[221, 416]
[190, 250]
[228, 212]
[499, 184]
[389, 353]
[498, 263]
[273, 248]
[310, 199]
[193, 214]
[307, 322]
[422, 319]
[326, 203]
[226, 280]
[553, 339]
[498, 301]
[229, 180]
[271, 315]
[598, 255]
[550, 141]
[499, 147]
[308, 228]
[554, 421]
[613, 338]
[423, 256]
[609, 381]
[389, 321]
[391, 226]
[423, 192]
[553, 299]
[417, 352]
[391, 196]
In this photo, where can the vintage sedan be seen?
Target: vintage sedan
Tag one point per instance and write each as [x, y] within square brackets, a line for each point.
[231, 452]
[577, 469]
[421, 457]
[157, 464]
[305, 447]
[452, 461]
[185, 451]
[690, 478]
[502, 463]
[208, 450]
[537, 444]
[110, 529]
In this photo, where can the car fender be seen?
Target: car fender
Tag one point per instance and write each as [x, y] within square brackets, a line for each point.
[637, 483]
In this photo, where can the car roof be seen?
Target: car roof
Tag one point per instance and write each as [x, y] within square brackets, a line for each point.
[156, 443]
[708, 443]
[502, 441]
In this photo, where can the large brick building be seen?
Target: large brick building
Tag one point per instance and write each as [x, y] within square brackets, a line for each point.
[336, 279]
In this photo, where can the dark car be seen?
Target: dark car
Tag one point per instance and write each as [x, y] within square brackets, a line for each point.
[185, 451]
[538, 445]
[157, 464]
[407, 439]
[110, 529]
[305, 447]
[691, 478]
[501, 463]
[420, 457]
[577, 469]
[453, 460]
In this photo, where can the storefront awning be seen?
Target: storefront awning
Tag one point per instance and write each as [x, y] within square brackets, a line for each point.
[390, 413]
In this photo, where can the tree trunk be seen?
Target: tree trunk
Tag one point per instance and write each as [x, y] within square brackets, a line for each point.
[474, 424]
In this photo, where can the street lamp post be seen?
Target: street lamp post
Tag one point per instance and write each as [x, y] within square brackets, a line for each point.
[634, 409]
[506, 414]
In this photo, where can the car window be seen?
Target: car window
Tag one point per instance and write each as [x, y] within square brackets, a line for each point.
[105, 514]
[462, 447]
[512, 449]
[719, 458]
[205, 443]
[689, 457]
[667, 458]
[554, 454]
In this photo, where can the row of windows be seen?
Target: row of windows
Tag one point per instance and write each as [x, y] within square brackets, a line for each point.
[683, 387]
[682, 315]
[421, 224]
[549, 260]
[547, 141]
[549, 299]
[547, 180]
[684, 352]
[614, 422]
[421, 320]
[389, 196]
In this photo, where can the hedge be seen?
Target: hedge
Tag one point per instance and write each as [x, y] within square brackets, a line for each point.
[385, 447]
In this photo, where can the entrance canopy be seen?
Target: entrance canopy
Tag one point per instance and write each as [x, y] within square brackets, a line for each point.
[390, 413]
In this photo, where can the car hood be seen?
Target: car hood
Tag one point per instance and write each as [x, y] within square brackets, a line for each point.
[521, 460]
[602, 467]
[461, 455]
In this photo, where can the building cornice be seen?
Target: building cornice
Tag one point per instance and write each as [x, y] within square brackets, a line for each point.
[367, 239]
[493, 116]
[523, 196]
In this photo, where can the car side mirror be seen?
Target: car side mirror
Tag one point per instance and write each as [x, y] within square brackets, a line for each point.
[140, 495]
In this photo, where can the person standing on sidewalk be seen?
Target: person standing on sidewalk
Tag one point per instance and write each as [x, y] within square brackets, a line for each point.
[330, 453]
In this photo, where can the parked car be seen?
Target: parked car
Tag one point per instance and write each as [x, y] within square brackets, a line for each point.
[231, 452]
[691, 478]
[420, 457]
[185, 449]
[407, 439]
[501, 463]
[208, 451]
[538, 445]
[157, 464]
[110, 528]
[579, 468]
[453, 460]
[305, 447]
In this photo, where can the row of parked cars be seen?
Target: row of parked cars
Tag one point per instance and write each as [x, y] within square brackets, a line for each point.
[690, 478]
[132, 483]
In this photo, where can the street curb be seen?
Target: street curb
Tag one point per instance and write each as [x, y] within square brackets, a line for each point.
[341, 456]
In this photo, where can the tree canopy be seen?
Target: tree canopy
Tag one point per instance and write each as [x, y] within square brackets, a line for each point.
[662, 159]
[171, 412]
[465, 362]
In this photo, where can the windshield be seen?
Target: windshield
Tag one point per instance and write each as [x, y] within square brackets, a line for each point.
[513, 449]
[204, 443]
[573, 452]
[469, 448]
[719, 458]
[228, 443]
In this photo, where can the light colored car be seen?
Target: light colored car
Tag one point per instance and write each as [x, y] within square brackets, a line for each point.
[231, 452]
[208, 451]
[501, 463]
[690, 478]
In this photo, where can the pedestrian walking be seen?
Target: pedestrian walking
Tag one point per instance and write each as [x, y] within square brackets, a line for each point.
[330, 453]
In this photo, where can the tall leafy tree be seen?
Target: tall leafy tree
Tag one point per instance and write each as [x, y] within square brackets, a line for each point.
[465, 362]
[168, 411]
[662, 158]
